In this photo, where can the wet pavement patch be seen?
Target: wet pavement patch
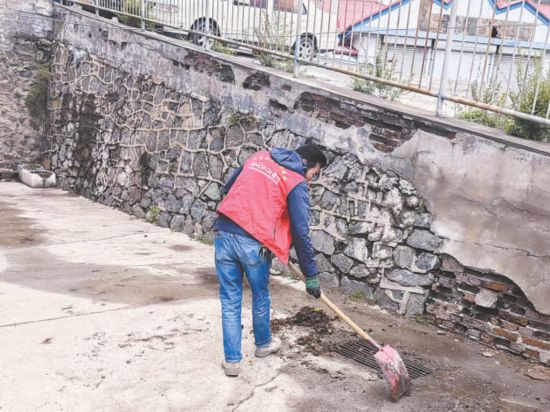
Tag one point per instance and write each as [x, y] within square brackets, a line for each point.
[42, 270]
[17, 230]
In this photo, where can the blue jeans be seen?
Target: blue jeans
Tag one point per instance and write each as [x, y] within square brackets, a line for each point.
[236, 254]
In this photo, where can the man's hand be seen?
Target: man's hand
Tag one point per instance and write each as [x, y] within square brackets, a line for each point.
[313, 286]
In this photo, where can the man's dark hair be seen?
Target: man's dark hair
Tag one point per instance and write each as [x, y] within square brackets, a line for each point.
[312, 155]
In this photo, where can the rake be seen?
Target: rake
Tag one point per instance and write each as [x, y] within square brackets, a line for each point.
[393, 368]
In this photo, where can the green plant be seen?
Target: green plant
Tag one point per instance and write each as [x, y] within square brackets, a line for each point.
[206, 240]
[265, 58]
[286, 65]
[381, 69]
[154, 212]
[358, 294]
[490, 95]
[534, 93]
[279, 63]
[486, 118]
[270, 37]
[222, 48]
[133, 7]
[35, 101]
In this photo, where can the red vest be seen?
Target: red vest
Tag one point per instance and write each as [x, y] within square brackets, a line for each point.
[257, 202]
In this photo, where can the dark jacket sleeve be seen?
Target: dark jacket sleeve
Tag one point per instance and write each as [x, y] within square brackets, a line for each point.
[298, 210]
[234, 174]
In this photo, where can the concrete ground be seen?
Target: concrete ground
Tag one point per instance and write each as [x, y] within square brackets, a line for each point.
[101, 311]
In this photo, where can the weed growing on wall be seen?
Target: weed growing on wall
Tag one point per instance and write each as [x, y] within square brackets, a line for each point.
[357, 295]
[419, 318]
[154, 213]
[269, 60]
[533, 94]
[381, 69]
[206, 240]
[220, 47]
[270, 37]
[492, 95]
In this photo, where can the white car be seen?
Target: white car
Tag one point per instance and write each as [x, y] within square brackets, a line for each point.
[268, 23]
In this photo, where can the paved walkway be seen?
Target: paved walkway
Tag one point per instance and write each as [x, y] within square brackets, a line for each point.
[101, 311]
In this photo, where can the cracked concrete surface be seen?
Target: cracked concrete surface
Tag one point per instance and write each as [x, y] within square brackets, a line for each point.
[101, 311]
[490, 202]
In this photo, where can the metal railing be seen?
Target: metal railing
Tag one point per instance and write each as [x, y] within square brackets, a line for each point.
[487, 54]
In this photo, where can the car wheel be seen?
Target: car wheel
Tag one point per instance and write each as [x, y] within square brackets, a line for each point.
[307, 49]
[204, 27]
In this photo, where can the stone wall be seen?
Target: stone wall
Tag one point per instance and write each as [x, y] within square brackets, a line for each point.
[135, 143]
[153, 128]
[25, 40]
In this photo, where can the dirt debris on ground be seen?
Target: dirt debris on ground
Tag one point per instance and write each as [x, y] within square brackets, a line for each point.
[307, 316]
[314, 329]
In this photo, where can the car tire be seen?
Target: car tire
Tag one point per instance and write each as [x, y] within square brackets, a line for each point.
[307, 49]
[205, 27]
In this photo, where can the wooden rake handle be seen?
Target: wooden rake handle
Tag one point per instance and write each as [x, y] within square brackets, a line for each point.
[297, 273]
